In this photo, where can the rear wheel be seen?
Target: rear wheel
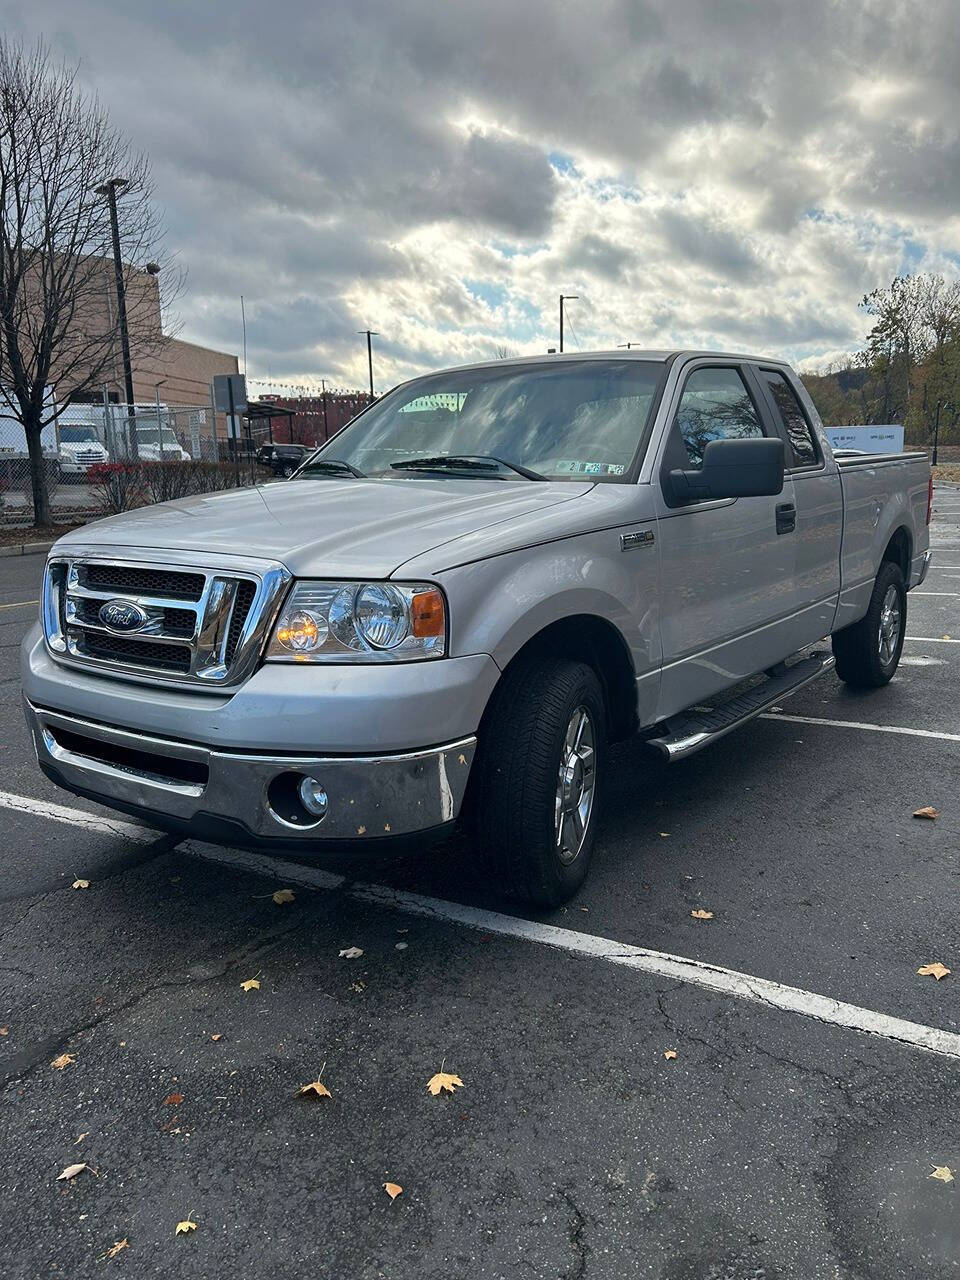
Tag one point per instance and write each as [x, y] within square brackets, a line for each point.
[868, 653]
[542, 758]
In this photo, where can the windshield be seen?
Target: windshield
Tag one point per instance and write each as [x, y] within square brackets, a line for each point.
[577, 420]
[78, 435]
[150, 435]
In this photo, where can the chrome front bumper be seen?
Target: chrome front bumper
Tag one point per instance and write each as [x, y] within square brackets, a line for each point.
[368, 797]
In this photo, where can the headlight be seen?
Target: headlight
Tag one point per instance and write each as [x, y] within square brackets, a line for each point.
[360, 622]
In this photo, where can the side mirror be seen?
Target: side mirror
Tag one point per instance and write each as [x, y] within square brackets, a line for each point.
[733, 469]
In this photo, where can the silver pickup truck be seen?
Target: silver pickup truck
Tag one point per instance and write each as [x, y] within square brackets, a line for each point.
[463, 598]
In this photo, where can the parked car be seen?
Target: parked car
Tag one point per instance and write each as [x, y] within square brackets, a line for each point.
[464, 598]
[156, 444]
[283, 459]
[79, 448]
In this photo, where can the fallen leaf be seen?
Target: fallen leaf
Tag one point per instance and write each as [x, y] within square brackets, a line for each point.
[251, 984]
[700, 914]
[393, 1189]
[184, 1227]
[80, 884]
[218, 1036]
[361, 831]
[315, 1087]
[400, 946]
[117, 1246]
[351, 953]
[64, 1060]
[664, 835]
[669, 1054]
[72, 1170]
[173, 1099]
[936, 970]
[942, 1173]
[443, 1080]
[82, 1136]
[4, 1031]
[927, 812]
[283, 895]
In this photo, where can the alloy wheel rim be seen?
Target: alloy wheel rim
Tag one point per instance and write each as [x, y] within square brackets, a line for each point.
[889, 630]
[576, 785]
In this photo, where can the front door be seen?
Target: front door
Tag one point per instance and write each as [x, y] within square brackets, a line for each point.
[726, 572]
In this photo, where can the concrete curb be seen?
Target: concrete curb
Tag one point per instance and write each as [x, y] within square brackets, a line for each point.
[26, 549]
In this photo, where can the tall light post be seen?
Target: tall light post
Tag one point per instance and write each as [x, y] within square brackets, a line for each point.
[941, 404]
[371, 333]
[110, 189]
[565, 297]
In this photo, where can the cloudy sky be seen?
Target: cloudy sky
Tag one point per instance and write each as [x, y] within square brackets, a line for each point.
[700, 172]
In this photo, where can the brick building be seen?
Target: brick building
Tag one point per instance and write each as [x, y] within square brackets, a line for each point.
[315, 418]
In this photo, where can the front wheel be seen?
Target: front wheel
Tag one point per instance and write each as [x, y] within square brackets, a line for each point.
[542, 762]
[868, 653]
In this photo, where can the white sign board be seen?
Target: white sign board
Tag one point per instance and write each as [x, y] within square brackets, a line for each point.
[887, 438]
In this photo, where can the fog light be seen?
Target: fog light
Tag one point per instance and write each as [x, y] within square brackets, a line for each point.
[313, 797]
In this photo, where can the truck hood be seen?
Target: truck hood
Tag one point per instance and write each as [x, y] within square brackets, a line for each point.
[327, 528]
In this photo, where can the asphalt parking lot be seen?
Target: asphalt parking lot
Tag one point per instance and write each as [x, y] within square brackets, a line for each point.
[793, 1135]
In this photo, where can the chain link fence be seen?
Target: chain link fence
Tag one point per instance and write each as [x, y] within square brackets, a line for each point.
[103, 458]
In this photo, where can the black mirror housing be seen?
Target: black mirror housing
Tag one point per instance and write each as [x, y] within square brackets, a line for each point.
[733, 469]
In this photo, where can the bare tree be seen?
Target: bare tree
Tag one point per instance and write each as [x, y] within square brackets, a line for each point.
[59, 320]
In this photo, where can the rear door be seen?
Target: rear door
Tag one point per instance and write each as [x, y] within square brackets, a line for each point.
[819, 503]
[727, 574]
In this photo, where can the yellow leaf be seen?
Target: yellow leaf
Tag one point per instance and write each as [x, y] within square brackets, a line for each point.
[72, 1170]
[936, 970]
[392, 1189]
[443, 1080]
[315, 1087]
[927, 812]
[184, 1227]
[669, 1054]
[283, 895]
[700, 914]
[117, 1246]
[251, 984]
[942, 1173]
[64, 1060]
[80, 884]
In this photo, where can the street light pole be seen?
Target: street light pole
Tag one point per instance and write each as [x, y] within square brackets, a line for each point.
[110, 189]
[156, 389]
[371, 333]
[565, 297]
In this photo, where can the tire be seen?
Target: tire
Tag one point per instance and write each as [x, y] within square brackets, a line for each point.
[540, 710]
[868, 653]
[286, 471]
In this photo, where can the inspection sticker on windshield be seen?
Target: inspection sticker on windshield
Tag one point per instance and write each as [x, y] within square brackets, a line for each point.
[590, 468]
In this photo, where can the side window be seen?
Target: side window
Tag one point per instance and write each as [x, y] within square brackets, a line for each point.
[794, 419]
[715, 405]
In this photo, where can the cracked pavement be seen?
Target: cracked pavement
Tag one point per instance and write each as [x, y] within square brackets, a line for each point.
[774, 1147]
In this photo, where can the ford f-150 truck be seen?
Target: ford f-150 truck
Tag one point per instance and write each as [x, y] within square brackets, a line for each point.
[459, 601]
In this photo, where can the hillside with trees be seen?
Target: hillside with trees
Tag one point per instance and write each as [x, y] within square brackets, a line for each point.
[909, 369]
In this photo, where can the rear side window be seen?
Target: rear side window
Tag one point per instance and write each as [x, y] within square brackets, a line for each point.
[794, 419]
[715, 405]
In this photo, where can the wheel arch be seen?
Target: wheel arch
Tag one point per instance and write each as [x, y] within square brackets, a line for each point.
[899, 551]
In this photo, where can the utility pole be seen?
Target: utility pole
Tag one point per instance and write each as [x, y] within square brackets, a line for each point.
[110, 189]
[371, 333]
[565, 297]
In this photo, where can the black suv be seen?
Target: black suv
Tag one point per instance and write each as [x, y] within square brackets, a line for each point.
[282, 459]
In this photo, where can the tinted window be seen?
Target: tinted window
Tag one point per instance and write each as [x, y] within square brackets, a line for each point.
[576, 420]
[715, 405]
[797, 427]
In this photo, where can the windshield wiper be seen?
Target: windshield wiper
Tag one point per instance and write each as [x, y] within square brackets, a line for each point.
[333, 467]
[465, 462]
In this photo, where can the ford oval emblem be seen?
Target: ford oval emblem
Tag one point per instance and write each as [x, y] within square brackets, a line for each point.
[123, 616]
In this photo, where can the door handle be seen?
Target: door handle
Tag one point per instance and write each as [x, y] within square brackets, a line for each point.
[786, 517]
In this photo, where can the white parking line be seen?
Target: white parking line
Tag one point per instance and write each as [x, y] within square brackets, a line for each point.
[932, 639]
[857, 724]
[934, 593]
[78, 818]
[723, 981]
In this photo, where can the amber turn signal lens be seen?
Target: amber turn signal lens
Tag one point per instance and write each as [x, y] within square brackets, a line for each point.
[426, 610]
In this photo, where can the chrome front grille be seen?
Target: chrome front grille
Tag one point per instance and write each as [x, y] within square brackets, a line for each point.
[204, 627]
